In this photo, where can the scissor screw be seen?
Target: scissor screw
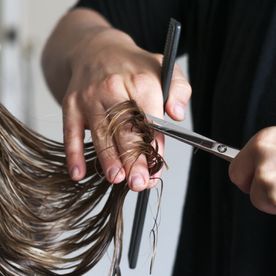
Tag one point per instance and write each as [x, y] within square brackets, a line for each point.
[222, 148]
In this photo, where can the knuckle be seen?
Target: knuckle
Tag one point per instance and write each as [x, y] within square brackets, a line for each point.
[180, 81]
[263, 195]
[112, 83]
[73, 145]
[69, 148]
[71, 133]
[143, 82]
[87, 95]
[71, 153]
[159, 57]
[69, 99]
[100, 136]
[182, 90]
[258, 143]
[71, 139]
[267, 181]
[263, 140]
[263, 178]
[183, 85]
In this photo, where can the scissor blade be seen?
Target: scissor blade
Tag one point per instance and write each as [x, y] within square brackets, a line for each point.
[180, 133]
[192, 138]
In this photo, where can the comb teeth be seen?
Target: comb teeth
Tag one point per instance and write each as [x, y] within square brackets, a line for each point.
[170, 53]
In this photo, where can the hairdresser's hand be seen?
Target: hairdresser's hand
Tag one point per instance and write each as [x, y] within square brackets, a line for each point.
[107, 69]
[254, 170]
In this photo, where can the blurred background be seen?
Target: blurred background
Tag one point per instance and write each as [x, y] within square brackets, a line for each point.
[24, 28]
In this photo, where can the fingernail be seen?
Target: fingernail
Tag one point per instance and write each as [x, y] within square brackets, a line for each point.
[137, 181]
[115, 174]
[75, 172]
[179, 110]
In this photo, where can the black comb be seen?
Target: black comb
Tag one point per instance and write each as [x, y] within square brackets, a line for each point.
[170, 52]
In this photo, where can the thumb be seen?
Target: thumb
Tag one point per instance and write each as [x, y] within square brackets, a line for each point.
[180, 93]
[242, 168]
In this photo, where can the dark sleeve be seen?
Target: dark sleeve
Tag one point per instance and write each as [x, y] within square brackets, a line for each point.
[145, 21]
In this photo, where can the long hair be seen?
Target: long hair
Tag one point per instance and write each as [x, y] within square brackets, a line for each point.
[51, 225]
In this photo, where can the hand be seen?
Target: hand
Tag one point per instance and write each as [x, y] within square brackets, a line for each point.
[254, 170]
[107, 69]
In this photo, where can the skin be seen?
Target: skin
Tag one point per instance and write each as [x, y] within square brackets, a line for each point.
[90, 66]
[254, 170]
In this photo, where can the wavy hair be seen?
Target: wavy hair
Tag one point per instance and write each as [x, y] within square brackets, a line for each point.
[51, 225]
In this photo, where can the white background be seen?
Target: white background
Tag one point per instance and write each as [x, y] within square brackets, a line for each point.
[24, 92]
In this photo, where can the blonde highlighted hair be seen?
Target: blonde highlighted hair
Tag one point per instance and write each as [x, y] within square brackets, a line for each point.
[51, 225]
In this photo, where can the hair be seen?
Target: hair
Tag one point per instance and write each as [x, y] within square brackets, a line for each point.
[50, 224]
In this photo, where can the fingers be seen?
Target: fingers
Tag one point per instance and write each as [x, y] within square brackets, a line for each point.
[89, 108]
[135, 166]
[73, 130]
[116, 155]
[111, 89]
[135, 163]
[180, 93]
[145, 89]
[254, 170]
[263, 192]
[105, 147]
[241, 170]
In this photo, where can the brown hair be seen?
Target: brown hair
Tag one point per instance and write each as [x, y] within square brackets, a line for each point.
[49, 223]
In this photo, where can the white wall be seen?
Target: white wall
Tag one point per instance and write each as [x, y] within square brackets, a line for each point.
[38, 18]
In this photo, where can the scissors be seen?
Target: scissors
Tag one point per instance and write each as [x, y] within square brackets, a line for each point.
[188, 137]
[173, 131]
[170, 52]
[192, 138]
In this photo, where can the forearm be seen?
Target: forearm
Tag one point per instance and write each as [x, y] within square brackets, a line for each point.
[61, 45]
